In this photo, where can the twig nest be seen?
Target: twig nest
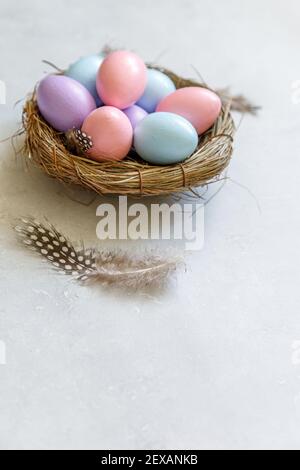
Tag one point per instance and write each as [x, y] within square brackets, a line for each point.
[68, 156]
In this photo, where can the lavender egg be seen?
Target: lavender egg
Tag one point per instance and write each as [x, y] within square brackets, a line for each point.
[63, 102]
[135, 114]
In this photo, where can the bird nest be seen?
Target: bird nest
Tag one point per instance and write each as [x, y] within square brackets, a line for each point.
[53, 152]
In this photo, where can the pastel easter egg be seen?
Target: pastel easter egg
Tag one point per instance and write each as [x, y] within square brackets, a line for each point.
[165, 138]
[63, 102]
[121, 79]
[85, 71]
[198, 105]
[111, 133]
[159, 85]
[135, 114]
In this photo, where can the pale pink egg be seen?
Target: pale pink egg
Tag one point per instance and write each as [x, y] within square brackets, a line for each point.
[121, 79]
[111, 134]
[198, 105]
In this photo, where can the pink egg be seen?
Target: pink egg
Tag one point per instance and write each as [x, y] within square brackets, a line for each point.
[121, 79]
[198, 105]
[111, 134]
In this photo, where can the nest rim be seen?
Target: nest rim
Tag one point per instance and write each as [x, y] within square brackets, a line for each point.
[49, 150]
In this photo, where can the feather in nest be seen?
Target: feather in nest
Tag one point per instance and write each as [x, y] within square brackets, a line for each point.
[106, 266]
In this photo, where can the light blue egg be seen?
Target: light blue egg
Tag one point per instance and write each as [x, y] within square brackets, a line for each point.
[165, 138]
[158, 87]
[85, 71]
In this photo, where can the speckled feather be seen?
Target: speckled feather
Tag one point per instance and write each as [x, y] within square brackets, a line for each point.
[105, 267]
[47, 241]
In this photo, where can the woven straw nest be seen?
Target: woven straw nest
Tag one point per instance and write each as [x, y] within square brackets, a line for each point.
[49, 149]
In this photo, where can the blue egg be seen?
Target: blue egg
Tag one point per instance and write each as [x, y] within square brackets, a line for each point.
[85, 71]
[165, 138]
[158, 87]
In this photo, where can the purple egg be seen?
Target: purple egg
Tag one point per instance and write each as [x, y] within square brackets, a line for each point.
[63, 102]
[135, 114]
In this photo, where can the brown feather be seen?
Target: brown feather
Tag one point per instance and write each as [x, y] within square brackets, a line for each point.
[238, 103]
[106, 267]
[149, 269]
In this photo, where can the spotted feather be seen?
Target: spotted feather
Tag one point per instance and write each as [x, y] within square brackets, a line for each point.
[84, 141]
[105, 267]
[46, 240]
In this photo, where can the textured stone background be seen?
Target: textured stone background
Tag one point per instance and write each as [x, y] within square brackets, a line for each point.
[215, 361]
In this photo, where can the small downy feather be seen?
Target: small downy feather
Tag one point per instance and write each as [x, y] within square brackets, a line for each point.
[105, 267]
[238, 103]
[118, 268]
